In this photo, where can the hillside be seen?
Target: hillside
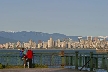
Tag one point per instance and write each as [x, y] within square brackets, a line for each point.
[5, 40]
[26, 36]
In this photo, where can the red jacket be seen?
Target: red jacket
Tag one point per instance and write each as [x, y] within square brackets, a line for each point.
[29, 54]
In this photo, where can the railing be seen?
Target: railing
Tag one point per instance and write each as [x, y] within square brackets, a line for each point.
[72, 60]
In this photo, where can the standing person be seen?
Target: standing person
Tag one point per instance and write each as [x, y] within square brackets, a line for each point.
[23, 55]
[30, 56]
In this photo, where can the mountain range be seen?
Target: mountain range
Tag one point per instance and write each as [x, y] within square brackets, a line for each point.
[25, 36]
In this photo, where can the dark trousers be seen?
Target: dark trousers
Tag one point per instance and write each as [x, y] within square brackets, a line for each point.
[30, 63]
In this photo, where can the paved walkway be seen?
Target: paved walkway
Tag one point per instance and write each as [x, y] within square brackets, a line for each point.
[41, 70]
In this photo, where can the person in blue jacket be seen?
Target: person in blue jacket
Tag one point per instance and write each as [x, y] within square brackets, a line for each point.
[23, 56]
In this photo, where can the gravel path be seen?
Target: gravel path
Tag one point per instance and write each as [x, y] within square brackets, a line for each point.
[40, 70]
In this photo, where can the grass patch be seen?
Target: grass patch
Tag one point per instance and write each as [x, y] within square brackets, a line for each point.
[14, 66]
[40, 66]
[21, 66]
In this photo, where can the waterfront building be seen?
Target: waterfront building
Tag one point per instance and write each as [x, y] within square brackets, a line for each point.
[11, 45]
[1, 46]
[94, 46]
[18, 44]
[45, 44]
[81, 46]
[79, 39]
[63, 44]
[22, 45]
[39, 46]
[69, 45]
[26, 45]
[34, 45]
[30, 43]
[74, 46]
[7, 45]
[56, 43]
[66, 43]
[89, 38]
[85, 46]
[96, 39]
[51, 42]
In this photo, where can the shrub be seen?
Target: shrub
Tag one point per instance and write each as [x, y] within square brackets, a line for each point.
[39, 66]
[1, 66]
[14, 66]
[21, 66]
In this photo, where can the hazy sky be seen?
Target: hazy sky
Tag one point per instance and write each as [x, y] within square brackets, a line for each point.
[69, 17]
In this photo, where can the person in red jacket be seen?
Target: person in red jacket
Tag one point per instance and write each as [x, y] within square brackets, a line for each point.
[29, 56]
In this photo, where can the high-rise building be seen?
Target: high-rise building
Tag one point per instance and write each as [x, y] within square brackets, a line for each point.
[95, 39]
[30, 43]
[59, 43]
[48, 43]
[45, 45]
[64, 44]
[56, 44]
[69, 45]
[18, 44]
[39, 46]
[7, 45]
[34, 45]
[51, 42]
[89, 38]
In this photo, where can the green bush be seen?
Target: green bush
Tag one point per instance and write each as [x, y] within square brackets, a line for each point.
[21, 66]
[39, 66]
[1, 66]
[14, 66]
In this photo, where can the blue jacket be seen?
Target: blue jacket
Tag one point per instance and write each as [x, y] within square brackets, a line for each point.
[21, 54]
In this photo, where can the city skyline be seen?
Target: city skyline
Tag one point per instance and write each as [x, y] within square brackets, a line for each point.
[89, 43]
[72, 17]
